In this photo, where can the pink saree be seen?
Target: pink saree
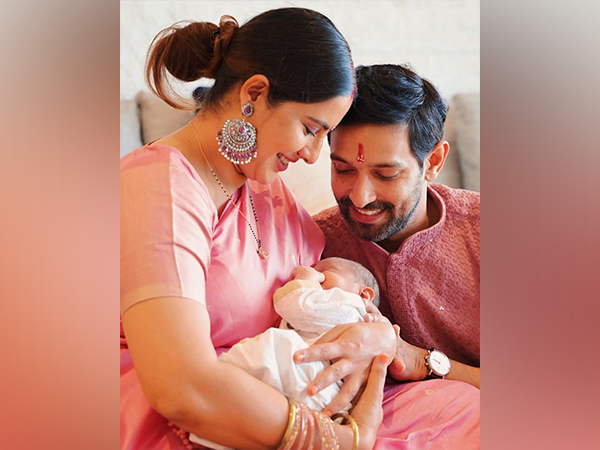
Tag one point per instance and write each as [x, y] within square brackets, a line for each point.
[171, 238]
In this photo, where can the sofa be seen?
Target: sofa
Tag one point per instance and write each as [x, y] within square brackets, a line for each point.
[146, 118]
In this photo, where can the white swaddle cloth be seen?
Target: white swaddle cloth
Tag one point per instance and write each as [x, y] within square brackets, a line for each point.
[311, 312]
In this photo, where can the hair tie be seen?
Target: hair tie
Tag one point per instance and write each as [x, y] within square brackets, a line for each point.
[216, 33]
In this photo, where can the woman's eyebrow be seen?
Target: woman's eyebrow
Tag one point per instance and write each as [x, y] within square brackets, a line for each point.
[320, 122]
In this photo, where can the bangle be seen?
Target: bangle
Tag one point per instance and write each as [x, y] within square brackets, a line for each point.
[350, 419]
[290, 424]
[302, 420]
[329, 440]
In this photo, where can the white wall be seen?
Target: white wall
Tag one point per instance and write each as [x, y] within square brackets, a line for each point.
[439, 38]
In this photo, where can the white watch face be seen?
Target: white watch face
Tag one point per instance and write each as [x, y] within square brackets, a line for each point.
[439, 363]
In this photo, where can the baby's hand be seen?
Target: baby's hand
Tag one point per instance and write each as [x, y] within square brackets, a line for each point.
[307, 273]
[374, 315]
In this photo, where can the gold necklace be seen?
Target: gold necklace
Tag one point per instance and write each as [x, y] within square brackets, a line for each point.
[260, 250]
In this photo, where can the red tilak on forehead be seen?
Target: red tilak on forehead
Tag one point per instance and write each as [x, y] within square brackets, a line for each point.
[361, 153]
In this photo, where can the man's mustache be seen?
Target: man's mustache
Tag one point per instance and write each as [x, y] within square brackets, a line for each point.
[347, 203]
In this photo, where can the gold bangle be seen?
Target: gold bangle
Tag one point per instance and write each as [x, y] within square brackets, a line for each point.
[350, 419]
[290, 424]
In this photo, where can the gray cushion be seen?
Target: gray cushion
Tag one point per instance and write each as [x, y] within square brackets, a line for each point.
[450, 174]
[159, 119]
[131, 136]
[467, 127]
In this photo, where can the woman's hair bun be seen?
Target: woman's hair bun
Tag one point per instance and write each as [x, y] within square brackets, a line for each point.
[227, 27]
[188, 51]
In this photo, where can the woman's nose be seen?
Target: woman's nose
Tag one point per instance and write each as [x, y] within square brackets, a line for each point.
[310, 154]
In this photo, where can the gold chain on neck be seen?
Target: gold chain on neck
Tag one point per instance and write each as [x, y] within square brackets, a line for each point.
[260, 250]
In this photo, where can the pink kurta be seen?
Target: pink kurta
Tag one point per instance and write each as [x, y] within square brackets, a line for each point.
[173, 244]
[430, 285]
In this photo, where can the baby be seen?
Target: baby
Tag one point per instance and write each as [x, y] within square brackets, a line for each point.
[333, 292]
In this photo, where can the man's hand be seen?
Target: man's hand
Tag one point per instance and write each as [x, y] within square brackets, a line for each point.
[409, 361]
[409, 365]
[351, 349]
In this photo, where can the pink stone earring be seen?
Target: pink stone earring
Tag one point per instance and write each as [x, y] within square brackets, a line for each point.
[237, 138]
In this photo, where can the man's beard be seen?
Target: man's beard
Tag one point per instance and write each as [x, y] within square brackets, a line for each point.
[399, 218]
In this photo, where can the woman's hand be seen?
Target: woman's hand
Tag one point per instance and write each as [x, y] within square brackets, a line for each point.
[408, 364]
[368, 412]
[351, 348]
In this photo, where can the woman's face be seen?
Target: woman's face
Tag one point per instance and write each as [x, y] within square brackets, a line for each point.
[289, 132]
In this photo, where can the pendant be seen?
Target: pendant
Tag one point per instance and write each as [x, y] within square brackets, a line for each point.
[262, 253]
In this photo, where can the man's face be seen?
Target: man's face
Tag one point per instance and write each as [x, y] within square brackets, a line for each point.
[379, 196]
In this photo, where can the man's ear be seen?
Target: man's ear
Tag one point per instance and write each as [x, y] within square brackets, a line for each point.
[435, 160]
[366, 293]
[255, 89]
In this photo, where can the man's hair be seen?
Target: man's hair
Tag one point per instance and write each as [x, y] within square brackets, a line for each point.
[390, 94]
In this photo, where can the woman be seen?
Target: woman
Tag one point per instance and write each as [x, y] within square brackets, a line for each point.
[209, 232]
[204, 215]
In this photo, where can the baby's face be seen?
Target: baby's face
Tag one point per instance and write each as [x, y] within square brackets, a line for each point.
[337, 274]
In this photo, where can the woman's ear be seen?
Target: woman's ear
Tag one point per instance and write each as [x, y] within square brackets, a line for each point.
[366, 293]
[255, 89]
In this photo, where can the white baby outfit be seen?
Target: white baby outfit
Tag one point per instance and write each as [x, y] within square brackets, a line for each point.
[308, 311]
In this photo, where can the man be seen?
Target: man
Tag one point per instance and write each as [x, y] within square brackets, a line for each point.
[420, 240]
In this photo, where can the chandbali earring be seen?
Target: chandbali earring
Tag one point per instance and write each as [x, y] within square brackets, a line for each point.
[237, 138]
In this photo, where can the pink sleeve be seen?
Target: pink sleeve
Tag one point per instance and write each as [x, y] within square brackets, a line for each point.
[167, 223]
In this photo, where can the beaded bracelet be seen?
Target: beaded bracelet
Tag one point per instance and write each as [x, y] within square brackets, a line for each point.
[350, 419]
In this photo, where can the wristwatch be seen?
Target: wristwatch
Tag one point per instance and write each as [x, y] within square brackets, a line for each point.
[437, 363]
